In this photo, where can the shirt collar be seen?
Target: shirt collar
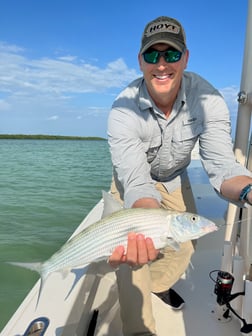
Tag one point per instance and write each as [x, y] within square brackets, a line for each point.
[145, 101]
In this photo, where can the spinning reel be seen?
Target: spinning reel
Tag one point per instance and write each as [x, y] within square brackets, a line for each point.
[223, 287]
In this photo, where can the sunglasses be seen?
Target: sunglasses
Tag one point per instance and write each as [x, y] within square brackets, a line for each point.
[152, 56]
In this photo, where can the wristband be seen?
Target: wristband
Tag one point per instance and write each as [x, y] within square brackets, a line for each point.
[244, 193]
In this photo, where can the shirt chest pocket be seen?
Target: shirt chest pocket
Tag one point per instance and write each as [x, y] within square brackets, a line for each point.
[184, 139]
[152, 147]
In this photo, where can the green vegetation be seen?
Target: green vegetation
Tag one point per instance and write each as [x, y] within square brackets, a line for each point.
[46, 137]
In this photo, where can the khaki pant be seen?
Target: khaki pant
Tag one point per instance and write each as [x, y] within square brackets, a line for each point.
[135, 286]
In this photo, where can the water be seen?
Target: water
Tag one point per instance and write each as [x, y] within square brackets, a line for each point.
[46, 189]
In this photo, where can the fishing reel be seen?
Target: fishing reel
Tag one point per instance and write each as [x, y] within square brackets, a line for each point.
[223, 287]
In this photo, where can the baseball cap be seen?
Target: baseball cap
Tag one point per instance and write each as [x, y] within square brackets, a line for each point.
[163, 30]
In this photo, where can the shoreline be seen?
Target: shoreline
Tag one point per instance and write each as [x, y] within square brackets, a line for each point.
[46, 137]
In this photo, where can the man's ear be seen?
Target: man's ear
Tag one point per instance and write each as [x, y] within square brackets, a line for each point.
[186, 58]
[140, 60]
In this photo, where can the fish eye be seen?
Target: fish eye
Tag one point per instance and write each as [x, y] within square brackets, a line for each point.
[194, 218]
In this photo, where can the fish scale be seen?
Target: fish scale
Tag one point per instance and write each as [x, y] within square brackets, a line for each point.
[96, 242]
[93, 243]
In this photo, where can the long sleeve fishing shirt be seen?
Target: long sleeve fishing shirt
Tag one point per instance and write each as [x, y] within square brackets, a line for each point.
[146, 147]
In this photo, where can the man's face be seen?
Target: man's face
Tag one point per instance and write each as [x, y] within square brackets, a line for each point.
[163, 78]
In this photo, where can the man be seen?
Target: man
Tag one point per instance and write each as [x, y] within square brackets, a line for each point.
[153, 127]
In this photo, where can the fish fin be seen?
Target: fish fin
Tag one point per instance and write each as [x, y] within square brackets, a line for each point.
[191, 264]
[167, 240]
[78, 273]
[171, 242]
[64, 272]
[174, 245]
[110, 204]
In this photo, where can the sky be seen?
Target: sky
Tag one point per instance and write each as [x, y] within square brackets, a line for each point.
[63, 62]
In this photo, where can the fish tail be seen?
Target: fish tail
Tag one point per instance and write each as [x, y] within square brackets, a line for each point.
[42, 282]
[37, 267]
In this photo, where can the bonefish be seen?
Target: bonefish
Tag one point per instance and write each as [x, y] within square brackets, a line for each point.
[97, 241]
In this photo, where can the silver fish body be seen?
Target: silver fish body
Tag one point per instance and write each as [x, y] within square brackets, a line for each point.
[97, 241]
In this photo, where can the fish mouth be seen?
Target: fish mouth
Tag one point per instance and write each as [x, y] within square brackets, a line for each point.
[210, 228]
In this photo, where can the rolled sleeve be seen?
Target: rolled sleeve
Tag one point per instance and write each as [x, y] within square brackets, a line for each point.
[132, 170]
[216, 148]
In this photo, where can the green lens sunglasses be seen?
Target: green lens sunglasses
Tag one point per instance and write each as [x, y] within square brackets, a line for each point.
[152, 56]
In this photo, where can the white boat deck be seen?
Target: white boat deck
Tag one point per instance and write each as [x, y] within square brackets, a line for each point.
[199, 316]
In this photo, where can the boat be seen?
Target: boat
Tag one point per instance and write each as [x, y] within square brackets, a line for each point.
[217, 287]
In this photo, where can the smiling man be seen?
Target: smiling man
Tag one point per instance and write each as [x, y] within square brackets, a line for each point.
[153, 127]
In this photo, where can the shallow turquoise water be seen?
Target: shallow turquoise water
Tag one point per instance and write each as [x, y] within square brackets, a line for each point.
[46, 188]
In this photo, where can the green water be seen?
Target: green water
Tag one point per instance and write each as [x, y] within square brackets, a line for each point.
[46, 188]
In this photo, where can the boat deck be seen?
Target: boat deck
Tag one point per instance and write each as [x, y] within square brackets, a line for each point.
[98, 290]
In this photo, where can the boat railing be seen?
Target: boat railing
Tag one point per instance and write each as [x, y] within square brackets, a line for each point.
[237, 248]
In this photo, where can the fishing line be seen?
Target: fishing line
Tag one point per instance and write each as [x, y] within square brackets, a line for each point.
[235, 222]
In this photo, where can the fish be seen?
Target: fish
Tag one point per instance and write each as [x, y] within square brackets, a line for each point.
[97, 241]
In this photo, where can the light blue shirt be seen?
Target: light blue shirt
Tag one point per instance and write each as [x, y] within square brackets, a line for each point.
[146, 147]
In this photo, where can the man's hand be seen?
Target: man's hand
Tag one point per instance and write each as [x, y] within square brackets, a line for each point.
[140, 251]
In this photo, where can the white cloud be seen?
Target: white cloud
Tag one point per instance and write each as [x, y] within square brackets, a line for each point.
[11, 48]
[53, 86]
[230, 95]
[55, 117]
[60, 75]
[49, 87]
[68, 58]
[4, 106]
[97, 111]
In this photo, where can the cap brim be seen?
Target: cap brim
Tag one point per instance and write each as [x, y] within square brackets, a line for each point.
[173, 43]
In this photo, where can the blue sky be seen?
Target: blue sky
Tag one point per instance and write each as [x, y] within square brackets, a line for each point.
[63, 62]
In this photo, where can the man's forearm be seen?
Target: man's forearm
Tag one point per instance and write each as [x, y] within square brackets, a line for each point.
[232, 187]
